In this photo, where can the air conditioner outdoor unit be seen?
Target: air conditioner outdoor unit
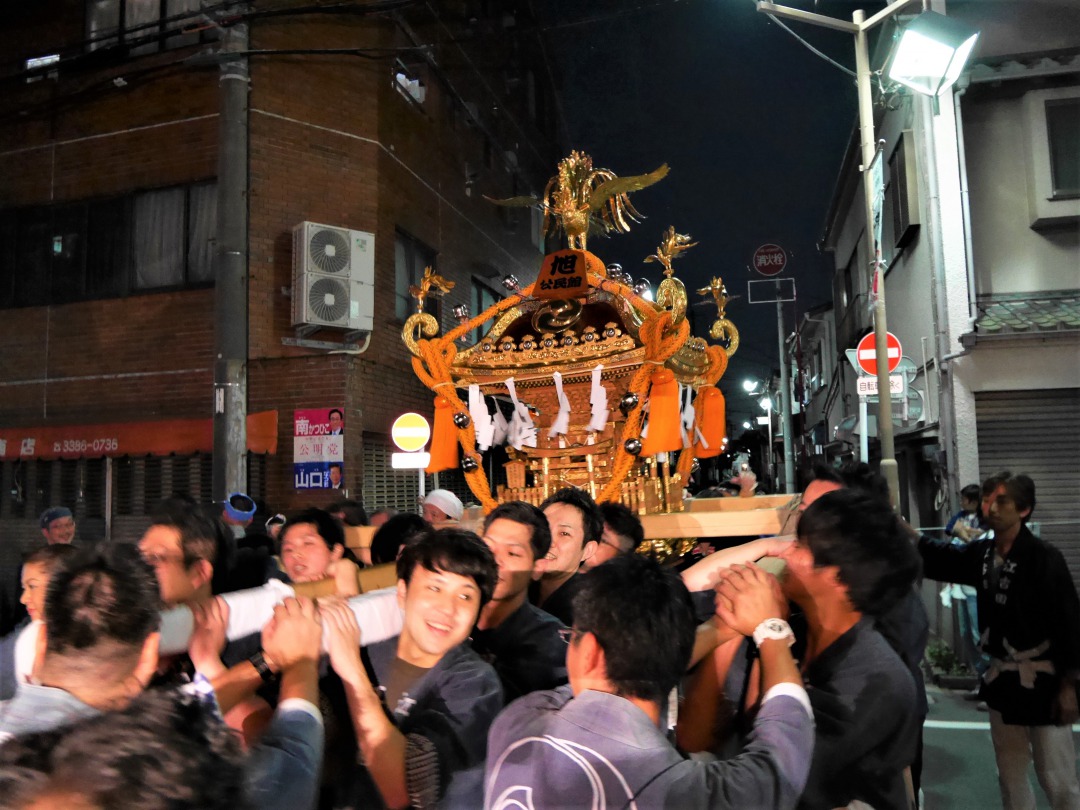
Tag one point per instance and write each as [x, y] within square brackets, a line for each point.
[333, 277]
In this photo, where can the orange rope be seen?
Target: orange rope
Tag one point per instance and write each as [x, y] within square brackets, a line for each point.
[660, 345]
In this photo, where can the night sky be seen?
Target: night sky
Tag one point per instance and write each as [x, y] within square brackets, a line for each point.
[752, 124]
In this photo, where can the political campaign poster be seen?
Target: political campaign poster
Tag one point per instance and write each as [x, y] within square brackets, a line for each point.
[319, 448]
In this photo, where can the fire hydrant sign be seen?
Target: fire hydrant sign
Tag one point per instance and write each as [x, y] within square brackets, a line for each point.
[770, 259]
[319, 448]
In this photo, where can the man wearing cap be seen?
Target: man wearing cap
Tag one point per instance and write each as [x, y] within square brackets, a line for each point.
[57, 525]
[442, 506]
[237, 514]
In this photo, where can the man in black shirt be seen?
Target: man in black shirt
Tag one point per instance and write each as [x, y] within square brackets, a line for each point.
[576, 526]
[517, 638]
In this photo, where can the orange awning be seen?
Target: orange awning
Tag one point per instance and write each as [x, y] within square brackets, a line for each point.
[180, 436]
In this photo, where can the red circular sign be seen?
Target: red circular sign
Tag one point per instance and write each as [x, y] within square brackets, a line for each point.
[770, 259]
[866, 355]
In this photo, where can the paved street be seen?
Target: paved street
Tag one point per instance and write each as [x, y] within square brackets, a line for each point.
[958, 758]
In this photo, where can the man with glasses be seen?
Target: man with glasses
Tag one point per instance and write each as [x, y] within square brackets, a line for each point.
[600, 741]
[57, 525]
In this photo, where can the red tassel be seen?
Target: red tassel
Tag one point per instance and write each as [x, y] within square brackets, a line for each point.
[664, 433]
[444, 442]
[710, 418]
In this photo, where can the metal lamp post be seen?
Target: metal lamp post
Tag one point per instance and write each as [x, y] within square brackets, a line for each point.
[937, 76]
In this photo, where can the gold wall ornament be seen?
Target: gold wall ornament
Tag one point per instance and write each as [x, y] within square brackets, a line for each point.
[671, 295]
[580, 199]
[431, 283]
[557, 315]
[425, 323]
[722, 329]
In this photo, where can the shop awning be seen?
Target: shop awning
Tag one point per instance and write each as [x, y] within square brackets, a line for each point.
[179, 436]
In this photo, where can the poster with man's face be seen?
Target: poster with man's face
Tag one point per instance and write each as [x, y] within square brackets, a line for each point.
[319, 448]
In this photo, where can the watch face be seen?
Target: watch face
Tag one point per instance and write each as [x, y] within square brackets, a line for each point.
[776, 627]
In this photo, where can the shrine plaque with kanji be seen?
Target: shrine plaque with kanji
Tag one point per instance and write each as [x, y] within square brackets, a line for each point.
[564, 274]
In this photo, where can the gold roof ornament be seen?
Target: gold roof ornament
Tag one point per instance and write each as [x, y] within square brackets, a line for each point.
[580, 200]
[722, 329]
[571, 320]
[431, 283]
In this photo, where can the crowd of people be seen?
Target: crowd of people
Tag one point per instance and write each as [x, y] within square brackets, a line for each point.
[536, 663]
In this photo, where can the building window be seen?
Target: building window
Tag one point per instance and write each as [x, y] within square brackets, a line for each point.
[1063, 134]
[410, 258]
[409, 83]
[146, 26]
[483, 297]
[902, 196]
[1051, 129]
[152, 240]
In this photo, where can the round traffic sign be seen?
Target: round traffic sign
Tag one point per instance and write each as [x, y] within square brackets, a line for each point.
[410, 432]
[866, 354]
[770, 259]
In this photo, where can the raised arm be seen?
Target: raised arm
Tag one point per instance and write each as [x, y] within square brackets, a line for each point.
[382, 746]
[703, 575]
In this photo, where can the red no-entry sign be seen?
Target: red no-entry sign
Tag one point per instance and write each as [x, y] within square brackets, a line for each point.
[770, 259]
[867, 357]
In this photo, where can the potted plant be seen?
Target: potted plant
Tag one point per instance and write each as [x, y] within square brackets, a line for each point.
[946, 668]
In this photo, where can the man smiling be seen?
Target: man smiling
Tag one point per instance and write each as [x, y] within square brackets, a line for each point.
[421, 728]
[517, 638]
[576, 526]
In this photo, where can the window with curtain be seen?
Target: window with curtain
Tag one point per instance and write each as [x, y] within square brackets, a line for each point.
[145, 26]
[151, 240]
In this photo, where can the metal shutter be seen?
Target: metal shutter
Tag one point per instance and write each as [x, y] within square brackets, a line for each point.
[384, 487]
[400, 489]
[1038, 433]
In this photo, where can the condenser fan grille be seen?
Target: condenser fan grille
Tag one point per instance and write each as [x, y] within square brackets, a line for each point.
[329, 251]
[328, 299]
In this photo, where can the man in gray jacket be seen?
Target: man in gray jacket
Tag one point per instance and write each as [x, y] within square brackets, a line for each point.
[600, 741]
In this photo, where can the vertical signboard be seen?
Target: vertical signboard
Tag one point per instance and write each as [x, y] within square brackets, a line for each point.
[319, 448]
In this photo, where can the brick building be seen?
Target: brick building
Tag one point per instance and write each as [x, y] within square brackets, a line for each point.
[388, 118]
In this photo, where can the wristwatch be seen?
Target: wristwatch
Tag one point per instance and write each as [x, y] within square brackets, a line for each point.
[773, 629]
[258, 660]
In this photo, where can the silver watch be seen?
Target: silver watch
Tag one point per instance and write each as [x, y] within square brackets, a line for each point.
[773, 629]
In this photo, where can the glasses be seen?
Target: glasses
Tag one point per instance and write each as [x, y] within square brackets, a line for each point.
[155, 559]
[568, 634]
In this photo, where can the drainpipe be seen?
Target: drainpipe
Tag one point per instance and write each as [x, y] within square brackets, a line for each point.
[965, 200]
[946, 411]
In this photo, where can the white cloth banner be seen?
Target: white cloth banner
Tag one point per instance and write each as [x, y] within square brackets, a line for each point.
[598, 401]
[482, 424]
[521, 431]
[562, 419]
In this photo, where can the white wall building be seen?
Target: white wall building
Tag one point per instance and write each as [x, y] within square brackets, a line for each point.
[982, 239]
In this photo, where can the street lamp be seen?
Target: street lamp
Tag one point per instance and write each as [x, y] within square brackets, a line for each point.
[931, 53]
[952, 49]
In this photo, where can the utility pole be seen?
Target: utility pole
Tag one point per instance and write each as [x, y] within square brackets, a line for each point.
[784, 401]
[231, 266]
